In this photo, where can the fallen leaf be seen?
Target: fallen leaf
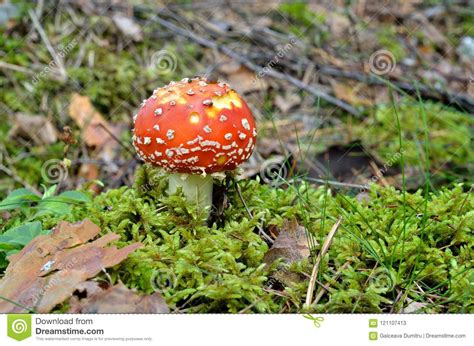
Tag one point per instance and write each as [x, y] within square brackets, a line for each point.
[89, 120]
[246, 81]
[290, 245]
[354, 95]
[285, 103]
[117, 299]
[50, 267]
[89, 171]
[36, 127]
[226, 65]
[243, 79]
[325, 58]
[96, 131]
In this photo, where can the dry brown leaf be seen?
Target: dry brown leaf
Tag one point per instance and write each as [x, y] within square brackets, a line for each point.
[50, 267]
[325, 58]
[351, 94]
[285, 103]
[117, 299]
[90, 121]
[290, 245]
[246, 81]
[243, 79]
[89, 171]
[96, 131]
[36, 127]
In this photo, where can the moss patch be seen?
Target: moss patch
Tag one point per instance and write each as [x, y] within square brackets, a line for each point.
[447, 134]
[393, 242]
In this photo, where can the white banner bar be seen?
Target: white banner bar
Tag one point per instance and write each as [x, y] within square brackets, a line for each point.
[238, 330]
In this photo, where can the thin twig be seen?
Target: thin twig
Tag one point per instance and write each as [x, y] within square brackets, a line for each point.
[256, 68]
[57, 59]
[337, 183]
[17, 68]
[324, 249]
[114, 137]
[17, 179]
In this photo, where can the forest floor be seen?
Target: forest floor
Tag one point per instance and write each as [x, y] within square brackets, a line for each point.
[358, 197]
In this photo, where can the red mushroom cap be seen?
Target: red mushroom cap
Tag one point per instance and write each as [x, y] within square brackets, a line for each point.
[193, 126]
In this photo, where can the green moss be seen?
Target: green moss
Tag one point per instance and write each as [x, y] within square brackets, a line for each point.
[304, 20]
[449, 139]
[300, 13]
[391, 243]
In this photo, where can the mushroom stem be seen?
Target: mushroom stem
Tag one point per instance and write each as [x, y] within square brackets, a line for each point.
[196, 188]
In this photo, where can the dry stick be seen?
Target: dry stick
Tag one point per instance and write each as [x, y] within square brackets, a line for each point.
[337, 183]
[114, 137]
[256, 68]
[17, 179]
[57, 59]
[17, 68]
[324, 249]
[462, 100]
[438, 93]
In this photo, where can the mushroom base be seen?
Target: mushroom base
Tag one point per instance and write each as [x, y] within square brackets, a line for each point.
[196, 188]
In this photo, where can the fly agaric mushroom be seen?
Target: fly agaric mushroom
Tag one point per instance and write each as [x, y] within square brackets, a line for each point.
[194, 129]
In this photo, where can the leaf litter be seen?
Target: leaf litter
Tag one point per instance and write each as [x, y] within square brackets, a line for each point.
[50, 267]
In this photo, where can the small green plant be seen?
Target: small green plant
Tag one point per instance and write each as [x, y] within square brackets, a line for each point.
[31, 213]
[33, 206]
[14, 239]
